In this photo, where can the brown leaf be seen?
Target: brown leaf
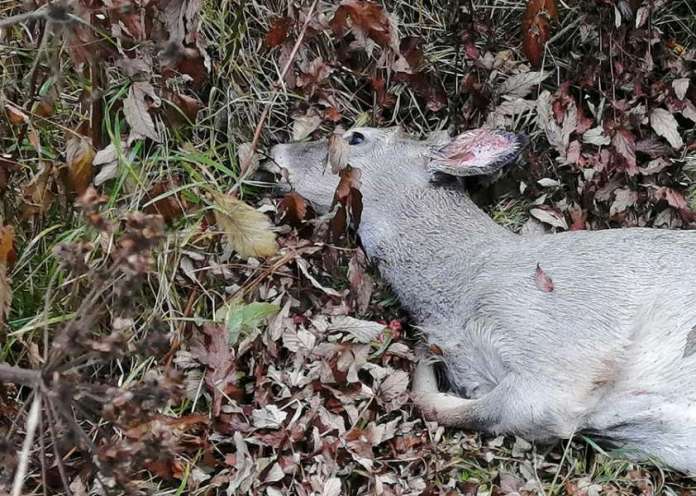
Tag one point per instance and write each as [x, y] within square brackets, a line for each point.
[625, 145]
[219, 358]
[136, 110]
[536, 28]
[542, 280]
[6, 250]
[38, 194]
[15, 115]
[361, 283]
[79, 154]
[278, 32]
[294, 208]
[369, 20]
[171, 206]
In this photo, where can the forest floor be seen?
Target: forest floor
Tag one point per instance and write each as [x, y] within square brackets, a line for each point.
[169, 326]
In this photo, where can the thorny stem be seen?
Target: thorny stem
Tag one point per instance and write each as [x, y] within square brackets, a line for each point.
[244, 167]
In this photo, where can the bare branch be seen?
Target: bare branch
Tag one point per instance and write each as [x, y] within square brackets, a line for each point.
[19, 376]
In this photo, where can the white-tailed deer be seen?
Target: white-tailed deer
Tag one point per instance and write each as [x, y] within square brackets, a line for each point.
[608, 348]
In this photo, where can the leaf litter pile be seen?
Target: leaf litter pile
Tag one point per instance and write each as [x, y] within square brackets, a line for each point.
[170, 327]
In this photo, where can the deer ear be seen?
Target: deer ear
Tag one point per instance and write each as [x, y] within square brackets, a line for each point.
[477, 152]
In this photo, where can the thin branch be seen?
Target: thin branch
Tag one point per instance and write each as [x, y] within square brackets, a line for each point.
[25, 454]
[20, 376]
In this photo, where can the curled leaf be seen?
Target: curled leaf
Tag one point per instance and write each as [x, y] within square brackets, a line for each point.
[542, 280]
[6, 248]
[248, 230]
[79, 154]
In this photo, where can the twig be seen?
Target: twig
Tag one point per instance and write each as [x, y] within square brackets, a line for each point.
[32, 424]
[245, 170]
[19, 376]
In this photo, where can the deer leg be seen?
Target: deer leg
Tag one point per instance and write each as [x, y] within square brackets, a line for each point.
[448, 409]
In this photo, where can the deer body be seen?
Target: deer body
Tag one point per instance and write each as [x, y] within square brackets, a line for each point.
[608, 351]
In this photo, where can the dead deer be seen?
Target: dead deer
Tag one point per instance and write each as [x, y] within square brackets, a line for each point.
[607, 349]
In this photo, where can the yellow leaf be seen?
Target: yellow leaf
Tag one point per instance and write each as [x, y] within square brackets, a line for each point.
[248, 230]
[79, 154]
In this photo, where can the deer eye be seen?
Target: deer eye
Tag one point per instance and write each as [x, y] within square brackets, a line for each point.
[356, 139]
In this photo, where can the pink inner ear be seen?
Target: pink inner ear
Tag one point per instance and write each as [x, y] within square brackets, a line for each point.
[477, 148]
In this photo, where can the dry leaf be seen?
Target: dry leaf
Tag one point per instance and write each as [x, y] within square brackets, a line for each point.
[15, 115]
[536, 28]
[294, 208]
[681, 86]
[248, 230]
[38, 193]
[304, 125]
[79, 154]
[165, 201]
[363, 331]
[136, 110]
[278, 32]
[665, 125]
[216, 353]
[369, 20]
[542, 280]
[6, 247]
[549, 216]
[521, 85]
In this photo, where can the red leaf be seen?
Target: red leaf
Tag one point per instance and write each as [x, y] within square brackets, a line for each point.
[536, 28]
[278, 32]
[542, 281]
[369, 20]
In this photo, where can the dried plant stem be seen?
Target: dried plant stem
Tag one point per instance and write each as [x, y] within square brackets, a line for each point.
[32, 424]
[19, 376]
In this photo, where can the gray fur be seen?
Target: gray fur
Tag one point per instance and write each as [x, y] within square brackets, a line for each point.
[608, 351]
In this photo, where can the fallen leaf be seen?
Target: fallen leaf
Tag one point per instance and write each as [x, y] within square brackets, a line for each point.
[623, 198]
[542, 280]
[6, 248]
[15, 115]
[107, 158]
[369, 20]
[216, 353]
[268, 417]
[164, 200]
[248, 230]
[521, 85]
[665, 125]
[361, 283]
[681, 86]
[596, 136]
[536, 28]
[79, 154]
[304, 125]
[362, 331]
[240, 317]
[278, 32]
[625, 145]
[38, 194]
[550, 216]
[136, 110]
[294, 208]
[248, 158]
